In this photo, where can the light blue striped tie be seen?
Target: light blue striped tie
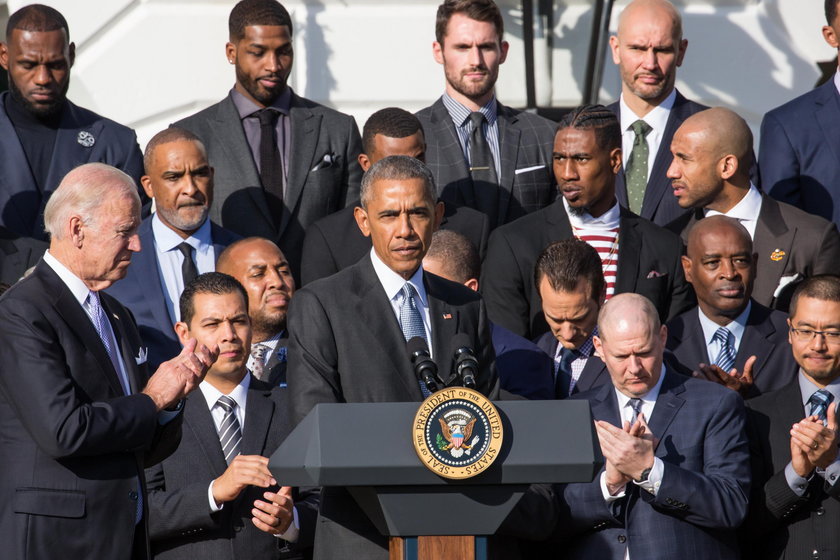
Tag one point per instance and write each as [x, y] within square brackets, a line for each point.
[411, 322]
[726, 356]
[819, 402]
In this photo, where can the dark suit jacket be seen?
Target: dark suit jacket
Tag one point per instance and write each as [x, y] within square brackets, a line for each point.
[765, 336]
[17, 255]
[142, 292]
[524, 369]
[705, 484]
[659, 204]
[782, 524]
[594, 372]
[335, 242]
[799, 153]
[525, 142]
[345, 345]
[808, 245]
[507, 278]
[73, 445]
[180, 523]
[276, 364]
[21, 201]
[323, 176]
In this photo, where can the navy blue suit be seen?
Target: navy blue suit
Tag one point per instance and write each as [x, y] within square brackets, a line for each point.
[21, 201]
[141, 292]
[659, 204]
[524, 369]
[799, 154]
[594, 373]
[703, 495]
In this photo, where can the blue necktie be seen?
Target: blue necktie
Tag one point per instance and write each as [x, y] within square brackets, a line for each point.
[411, 322]
[636, 405]
[726, 356]
[819, 402]
[563, 378]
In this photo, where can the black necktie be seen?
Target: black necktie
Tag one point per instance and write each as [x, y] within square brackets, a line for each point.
[271, 163]
[188, 268]
[483, 170]
[563, 379]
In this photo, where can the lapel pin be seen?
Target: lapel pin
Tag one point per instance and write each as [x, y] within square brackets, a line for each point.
[447, 315]
[85, 138]
[777, 255]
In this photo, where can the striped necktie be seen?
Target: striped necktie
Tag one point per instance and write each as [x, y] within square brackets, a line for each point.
[819, 402]
[230, 434]
[726, 356]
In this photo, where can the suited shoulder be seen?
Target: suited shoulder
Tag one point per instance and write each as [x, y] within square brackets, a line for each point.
[449, 291]
[804, 221]
[201, 118]
[529, 120]
[333, 115]
[651, 233]
[794, 111]
[85, 118]
[524, 230]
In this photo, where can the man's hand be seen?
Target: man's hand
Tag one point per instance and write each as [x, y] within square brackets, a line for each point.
[812, 444]
[243, 471]
[176, 378]
[630, 454]
[741, 383]
[615, 480]
[275, 514]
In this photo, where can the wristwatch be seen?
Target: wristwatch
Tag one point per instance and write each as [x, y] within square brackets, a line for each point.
[644, 476]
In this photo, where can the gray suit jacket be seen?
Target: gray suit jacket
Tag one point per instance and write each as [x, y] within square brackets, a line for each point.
[788, 242]
[525, 142]
[324, 173]
[345, 345]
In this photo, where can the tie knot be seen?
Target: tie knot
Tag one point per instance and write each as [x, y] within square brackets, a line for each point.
[267, 116]
[722, 335]
[227, 403]
[641, 128]
[186, 250]
[93, 300]
[567, 356]
[258, 351]
[477, 118]
[408, 291]
[636, 405]
[821, 397]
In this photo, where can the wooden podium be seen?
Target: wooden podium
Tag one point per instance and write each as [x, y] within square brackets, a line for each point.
[429, 517]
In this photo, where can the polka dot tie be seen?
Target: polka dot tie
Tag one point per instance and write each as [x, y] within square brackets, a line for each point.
[636, 172]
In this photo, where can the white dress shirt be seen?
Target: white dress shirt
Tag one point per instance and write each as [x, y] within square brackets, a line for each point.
[170, 259]
[746, 211]
[240, 395]
[393, 284]
[736, 326]
[657, 119]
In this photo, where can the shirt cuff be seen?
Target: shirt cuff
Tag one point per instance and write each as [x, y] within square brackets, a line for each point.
[293, 532]
[654, 480]
[797, 484]
[609, 498]
[164, 417]
[213, 506]
[832, 473]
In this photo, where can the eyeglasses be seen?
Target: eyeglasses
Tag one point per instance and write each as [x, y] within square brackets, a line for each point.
[807, 335]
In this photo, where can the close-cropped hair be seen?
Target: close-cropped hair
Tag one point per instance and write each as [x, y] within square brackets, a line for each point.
[37, 18]
[215, 283]
[598, 118]
[256, 12]
[479, 10]
[824, 287]
[456, 254]
[391, 122]
[831, 11]
[165, 136]
[565, 263]
[397, 168]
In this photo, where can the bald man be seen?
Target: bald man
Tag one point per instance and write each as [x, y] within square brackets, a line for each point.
[676, 472]
[729, 338]
[648, 49]
[710, 174]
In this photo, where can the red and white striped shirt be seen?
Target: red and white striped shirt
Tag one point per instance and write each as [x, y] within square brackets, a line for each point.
[602, 233]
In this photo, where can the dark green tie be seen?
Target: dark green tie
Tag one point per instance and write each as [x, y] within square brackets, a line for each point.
[636, 173]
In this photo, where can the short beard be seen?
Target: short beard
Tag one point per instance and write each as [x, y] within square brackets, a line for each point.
[267, 326]
[39, 111]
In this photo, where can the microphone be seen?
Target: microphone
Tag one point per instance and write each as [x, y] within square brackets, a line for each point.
[424, 368]
[466, 366]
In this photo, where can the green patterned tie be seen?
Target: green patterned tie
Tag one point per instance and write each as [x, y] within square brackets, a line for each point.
[636, 173]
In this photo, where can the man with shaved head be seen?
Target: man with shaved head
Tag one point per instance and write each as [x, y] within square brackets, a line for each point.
[710, 174]
[42, 134]
[728, 337]
[648, 49]
[676, 473]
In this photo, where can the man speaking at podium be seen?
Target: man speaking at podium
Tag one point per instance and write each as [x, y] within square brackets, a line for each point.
[348, 332]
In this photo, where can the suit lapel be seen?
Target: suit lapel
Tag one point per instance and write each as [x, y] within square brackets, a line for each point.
[591, 374]
[451, 161]
[668, 403]
[69, 144]
[135, 383]
[756, 340]
[827, 112]
[18, 191]
[509, 135]
[658, 182]
[305, 129]
[444, 321]
[258, 418]
[197, 418]
[694, 348]
[150, 286]
[605, 405]
[629, 246]
[771, 233]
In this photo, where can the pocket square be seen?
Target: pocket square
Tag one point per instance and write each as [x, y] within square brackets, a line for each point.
[656, 274]
[328, 161]
[142, 355]
[786, 280]
[527, 169]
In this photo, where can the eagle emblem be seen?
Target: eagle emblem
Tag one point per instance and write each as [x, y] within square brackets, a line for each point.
[456, 427]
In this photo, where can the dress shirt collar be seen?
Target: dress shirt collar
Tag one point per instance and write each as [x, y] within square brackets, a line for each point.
[736, 326]
[78, 288]
[607, 220]
[648, 400]
[584, 351]
[271, 342]
[246, 108]
[747, 208]
[166, 239]
[239, 393]
[657, 118]
[808, 388]
[460, 114]
[393, 282]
